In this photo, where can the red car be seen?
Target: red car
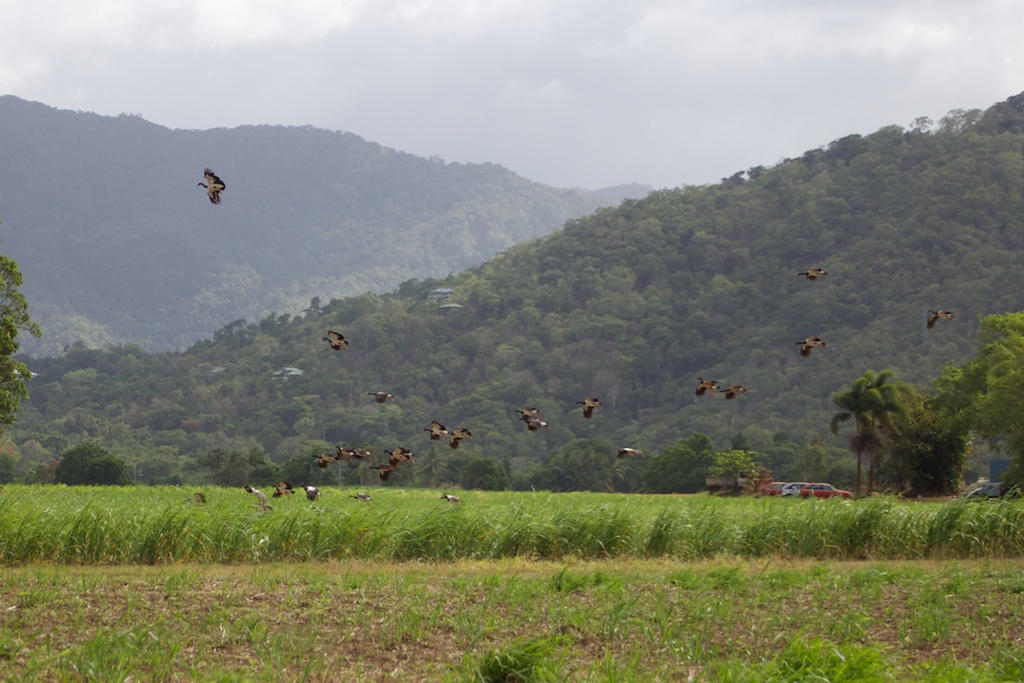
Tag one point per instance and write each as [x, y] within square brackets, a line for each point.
[772, 489]
[822, 490]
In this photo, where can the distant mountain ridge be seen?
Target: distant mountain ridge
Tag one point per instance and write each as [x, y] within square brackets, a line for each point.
[118, 244]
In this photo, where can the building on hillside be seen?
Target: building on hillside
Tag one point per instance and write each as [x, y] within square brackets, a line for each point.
[440, 293]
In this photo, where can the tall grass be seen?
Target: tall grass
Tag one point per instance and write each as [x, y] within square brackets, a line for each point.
[154, 525]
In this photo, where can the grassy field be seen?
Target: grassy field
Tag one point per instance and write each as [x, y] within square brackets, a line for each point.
[152, 525]
[137, 584]
[516, 621]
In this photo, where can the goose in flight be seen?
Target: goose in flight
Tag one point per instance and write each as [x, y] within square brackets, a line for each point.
[400, 454]
[437, 430]
[589, 405]
[526, 414]
[384, 470]
[536, 423]
[733, 391]
[336, 340]
[809, 344]
[706, 385]
[813, 273]
[214, 186]
[935, 316]
[457, 435]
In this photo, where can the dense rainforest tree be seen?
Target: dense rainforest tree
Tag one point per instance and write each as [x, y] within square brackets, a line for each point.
[682, 467]
[90, 464]
[873, 403]
[7, 467]
[239, 468]
[735, 463]
[985, 394]
[924, 454]
[582, 465]
[484, 474]
[14, 319]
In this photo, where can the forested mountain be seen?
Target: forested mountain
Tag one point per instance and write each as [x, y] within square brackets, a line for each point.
[118, 244]
[630, 304]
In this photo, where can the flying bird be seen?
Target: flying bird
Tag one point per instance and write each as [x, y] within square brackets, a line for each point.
[363, 497]
[531, 416]
[400, 454]
[630, 452]
[813, 273]
[809, 344]
[525, 414]
[436, 429]
[733, 391]
[450, 498]
[259, 494]
[336, 340]
[312, 492]
[282, 489]
[384, 470]
[380, 396]
[706, 385]
[457, 435]
[934, 316]
[536, 423]
[214, 186]
[325, 459]
[361, 453]
[589, 405]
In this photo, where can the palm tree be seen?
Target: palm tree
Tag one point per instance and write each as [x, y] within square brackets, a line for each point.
[434, 467]
[873, 402]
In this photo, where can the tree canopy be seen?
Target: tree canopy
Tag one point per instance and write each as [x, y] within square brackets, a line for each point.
[984, 394]
[90, 464]
[874, 402]
[14, 320]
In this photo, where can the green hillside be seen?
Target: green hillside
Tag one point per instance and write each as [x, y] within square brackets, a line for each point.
[630, 304]
[119, 245]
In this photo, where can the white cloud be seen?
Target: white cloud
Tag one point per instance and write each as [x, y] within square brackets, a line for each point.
[525, 92]
[174, 24]
[744, 33]
[15, 71]
[465, 19]
[572, 92]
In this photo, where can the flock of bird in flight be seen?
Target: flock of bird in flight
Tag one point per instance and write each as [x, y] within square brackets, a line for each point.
[531, 416]
[436, 431]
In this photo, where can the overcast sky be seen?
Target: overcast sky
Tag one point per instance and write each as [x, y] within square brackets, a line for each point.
[574, 93]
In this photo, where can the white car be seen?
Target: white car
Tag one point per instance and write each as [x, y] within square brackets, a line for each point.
[793, 488]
